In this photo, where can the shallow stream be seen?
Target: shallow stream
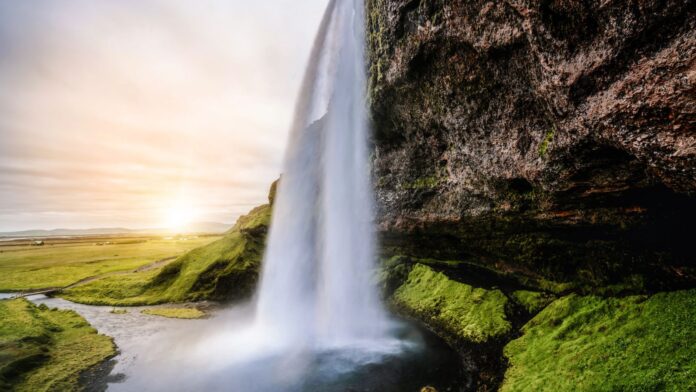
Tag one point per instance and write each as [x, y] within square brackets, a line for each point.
[221, 353]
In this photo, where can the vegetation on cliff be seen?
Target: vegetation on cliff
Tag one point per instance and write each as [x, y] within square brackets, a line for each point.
[589, 343]
[45, 349]
[458, 310]
[532, 301]
[577, 342]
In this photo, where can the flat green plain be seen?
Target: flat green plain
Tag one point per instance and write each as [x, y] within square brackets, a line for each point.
[62, 262]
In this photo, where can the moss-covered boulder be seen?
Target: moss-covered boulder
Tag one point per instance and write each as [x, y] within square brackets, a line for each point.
[457, 310]
[532, 301]
[589, 343]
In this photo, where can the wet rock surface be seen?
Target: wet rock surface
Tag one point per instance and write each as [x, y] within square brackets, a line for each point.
[546, 139]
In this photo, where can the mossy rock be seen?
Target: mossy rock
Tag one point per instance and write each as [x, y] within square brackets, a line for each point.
[459, 310]
[532, 301]
[590, 343]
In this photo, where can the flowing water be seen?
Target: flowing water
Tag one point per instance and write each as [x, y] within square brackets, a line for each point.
[160, 354]
[315, 289]
[317, 323]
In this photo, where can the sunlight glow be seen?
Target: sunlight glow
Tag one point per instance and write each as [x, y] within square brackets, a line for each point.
[179, 215]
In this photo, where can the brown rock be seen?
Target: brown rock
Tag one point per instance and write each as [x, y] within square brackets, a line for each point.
[555, 135]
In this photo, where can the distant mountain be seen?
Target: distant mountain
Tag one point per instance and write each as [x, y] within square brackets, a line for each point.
[67, 232]
[208, 227]
[197, 227]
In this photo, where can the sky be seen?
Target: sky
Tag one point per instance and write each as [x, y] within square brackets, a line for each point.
[145, 113]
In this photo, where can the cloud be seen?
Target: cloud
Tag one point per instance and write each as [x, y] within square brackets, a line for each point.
[109, 109]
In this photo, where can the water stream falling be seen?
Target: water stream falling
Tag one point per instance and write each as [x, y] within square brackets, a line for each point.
[315, 288]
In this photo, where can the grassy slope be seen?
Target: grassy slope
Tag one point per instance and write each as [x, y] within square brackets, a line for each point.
[460, 310]
[46, 350]
[35, 267]
[224, 269]
[590, 343]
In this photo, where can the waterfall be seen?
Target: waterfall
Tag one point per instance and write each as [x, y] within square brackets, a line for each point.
[315, 287]
[317, 323]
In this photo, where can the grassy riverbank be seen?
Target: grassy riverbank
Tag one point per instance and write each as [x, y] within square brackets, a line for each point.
[45, 349]
[179, 313]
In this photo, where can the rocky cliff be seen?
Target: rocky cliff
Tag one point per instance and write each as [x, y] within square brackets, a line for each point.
[551, 140]
[535, 169]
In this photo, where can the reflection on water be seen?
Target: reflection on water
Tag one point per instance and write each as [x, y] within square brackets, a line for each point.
[6, 295]
[223, 353]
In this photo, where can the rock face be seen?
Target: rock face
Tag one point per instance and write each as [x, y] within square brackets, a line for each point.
[555, 140]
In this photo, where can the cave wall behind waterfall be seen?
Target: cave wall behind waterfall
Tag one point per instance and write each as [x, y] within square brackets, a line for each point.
[551, 140]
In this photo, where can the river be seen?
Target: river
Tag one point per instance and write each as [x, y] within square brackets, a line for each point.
[162, 354]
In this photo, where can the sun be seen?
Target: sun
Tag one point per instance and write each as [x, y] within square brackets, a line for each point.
[178, 216]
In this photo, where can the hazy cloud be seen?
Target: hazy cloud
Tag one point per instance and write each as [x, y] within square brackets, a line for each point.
[113, 110]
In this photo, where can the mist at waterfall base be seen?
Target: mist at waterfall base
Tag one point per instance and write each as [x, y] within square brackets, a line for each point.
[317, 322]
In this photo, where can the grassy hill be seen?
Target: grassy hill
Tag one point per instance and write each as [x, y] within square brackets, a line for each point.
[226, 269]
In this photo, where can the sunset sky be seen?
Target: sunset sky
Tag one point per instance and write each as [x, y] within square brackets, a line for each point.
[136, 113]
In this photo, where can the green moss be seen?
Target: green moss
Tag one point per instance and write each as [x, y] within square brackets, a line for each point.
[468, 313]
[46, 350]
[428, 182]
[259, 217]
[224, 269]
[555, 287]
[376, 45]
[392, 273]
[532, 301]
[180, 313]
[439, 263]
[633, 284]
[548, 138]
[591, 343]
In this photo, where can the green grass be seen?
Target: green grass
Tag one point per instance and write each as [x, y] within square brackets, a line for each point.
[223, 269]
[469, 313]
[546, 142]
[589, 343]
[46, 350]
[116, 290]
[532, 301]
[61, 263]
[180, 313]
